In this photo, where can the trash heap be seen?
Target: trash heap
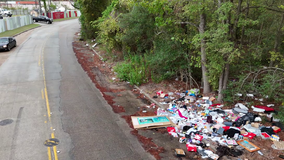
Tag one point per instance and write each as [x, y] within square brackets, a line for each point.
[206, 128]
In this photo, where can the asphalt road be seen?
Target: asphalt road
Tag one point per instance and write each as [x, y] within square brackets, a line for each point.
[44, 94]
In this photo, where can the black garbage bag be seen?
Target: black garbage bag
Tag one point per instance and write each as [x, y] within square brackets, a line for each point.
[243, 120]
[226, 151]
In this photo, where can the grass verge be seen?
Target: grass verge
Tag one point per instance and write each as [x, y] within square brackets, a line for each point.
[13, 32]
[63, 19]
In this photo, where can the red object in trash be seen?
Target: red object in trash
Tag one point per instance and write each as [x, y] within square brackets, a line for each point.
[249, 135]
[159, 93]
[191, 148]
[198, 137]
[265, 108]
[218, 104]
[264, 135]
[226, 128]
[171, 130]
[276, 129]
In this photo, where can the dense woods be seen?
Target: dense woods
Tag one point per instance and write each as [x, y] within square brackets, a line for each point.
[227, 46]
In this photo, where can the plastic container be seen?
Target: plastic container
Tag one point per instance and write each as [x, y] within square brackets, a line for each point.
[264, 135]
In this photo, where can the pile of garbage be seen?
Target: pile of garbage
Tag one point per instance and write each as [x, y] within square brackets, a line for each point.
[206, 128]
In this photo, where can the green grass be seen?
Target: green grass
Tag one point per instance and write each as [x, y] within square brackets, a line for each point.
[18, 30]
[64, 19]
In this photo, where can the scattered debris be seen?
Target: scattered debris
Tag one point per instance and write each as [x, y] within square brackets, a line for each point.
[196, 121]
[205, 128]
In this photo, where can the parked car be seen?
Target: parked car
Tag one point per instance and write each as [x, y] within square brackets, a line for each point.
[43, 18]
[7, 43]
[5, 12]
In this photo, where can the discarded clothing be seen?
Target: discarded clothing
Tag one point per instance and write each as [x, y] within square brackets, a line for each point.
[241, 121]
[267, 109]
[254, 130]
[268, 130]
[257, 109]
[241, 106]
[239, 110]
[219, 111]
[232, 131]
[180, 114]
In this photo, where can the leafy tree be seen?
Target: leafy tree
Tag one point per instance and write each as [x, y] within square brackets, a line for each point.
[91, 10]
[138, 28]
[208, 40]
[52, 6]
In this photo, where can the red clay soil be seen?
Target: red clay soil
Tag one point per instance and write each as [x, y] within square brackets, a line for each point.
[87, 63]
[147, 143]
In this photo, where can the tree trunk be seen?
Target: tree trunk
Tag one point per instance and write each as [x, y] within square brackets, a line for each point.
[243, 28]
[277, 39]
[206, 86]
[226, 76]
[220, 89]
[235, 27]
[223, 81]
[259, 36]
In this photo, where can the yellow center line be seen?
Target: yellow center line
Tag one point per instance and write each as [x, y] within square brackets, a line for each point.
[47, 104]
[54, 148]
[49, 153]
[45, 96]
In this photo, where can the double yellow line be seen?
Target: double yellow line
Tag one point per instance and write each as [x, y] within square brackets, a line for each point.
[45, 96]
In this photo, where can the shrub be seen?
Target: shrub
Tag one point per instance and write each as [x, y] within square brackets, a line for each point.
[134, 70]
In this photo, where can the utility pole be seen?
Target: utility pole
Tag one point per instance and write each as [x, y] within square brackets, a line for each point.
[49, 5]
[39, 11]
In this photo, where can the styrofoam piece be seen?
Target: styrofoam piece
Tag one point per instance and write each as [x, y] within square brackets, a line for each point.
[239, 94]
[213, 114]
[250, 95]
[270, 105]
[205, 98]
[239, 110]
[275, 120]
[254, 130]
[257, 119]
[228, 110]
[205, 105]
[240, 105]
[257, 109]
[220, 120]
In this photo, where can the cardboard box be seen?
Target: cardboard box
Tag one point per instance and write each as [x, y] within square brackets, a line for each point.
[149, 122]
[276, 129]
[180, 152]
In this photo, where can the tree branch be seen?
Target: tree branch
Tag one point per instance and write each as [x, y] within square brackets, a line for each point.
[193, 24]
[72, 4]
[268, 8]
